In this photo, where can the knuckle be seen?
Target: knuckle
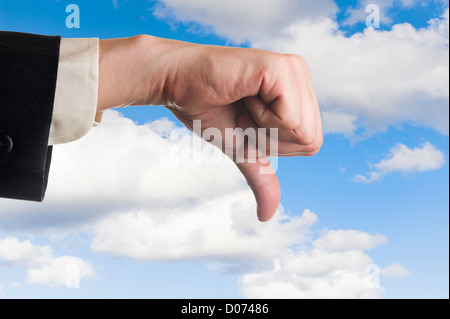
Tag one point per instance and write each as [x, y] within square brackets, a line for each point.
[291, 123]
[301, 60]
[297, 59]
[310, 137]
[282, 60]
[318, 143]
[307, 137]
[315, 147]
[302, 64]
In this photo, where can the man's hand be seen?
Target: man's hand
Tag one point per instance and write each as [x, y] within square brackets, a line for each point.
[224, 88]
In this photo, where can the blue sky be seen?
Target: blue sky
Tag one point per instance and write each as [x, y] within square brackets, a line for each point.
[398, 222]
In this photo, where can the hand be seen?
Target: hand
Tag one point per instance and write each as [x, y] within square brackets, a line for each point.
[224, 88]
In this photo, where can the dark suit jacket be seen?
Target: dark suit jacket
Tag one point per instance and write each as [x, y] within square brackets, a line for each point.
[28, 71]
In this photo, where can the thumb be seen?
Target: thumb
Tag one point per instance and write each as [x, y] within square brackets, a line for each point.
[262, 180]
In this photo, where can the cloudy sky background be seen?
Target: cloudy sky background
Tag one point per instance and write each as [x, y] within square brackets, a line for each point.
[128, 213]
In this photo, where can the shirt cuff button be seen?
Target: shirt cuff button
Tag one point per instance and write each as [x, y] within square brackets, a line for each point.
[6, 144]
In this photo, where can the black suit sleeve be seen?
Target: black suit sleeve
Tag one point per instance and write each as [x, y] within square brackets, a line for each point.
[28, 72]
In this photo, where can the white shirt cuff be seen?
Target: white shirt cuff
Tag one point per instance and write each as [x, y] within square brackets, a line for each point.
[75, 106]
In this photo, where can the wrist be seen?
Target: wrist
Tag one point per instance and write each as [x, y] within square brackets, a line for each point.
[126, 74]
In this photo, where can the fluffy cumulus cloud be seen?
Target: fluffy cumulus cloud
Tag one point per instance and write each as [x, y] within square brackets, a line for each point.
[274, 257]
[336, 122]
[223, 229]
[405, 160]
[65, 271]
[358, 12]
[43, 266]
[143, 164]
[368, 80]
[17, 253]
[335, 266]
[348, 240]
[125, 187]
[243, 20]
[395, 270]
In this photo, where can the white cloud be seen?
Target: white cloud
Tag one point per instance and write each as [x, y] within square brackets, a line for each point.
[138, 165]
[336, 267]
[223, 229]
[16, 253]
[215, 231]
[405, 160]
[244, 20]
[395, 270]
[339, 123]
[43, 267]
[348, 240]
[65, 271]
[358, 13]
[290, 285]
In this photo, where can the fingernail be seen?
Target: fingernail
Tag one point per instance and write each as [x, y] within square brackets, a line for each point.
[258, 214]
